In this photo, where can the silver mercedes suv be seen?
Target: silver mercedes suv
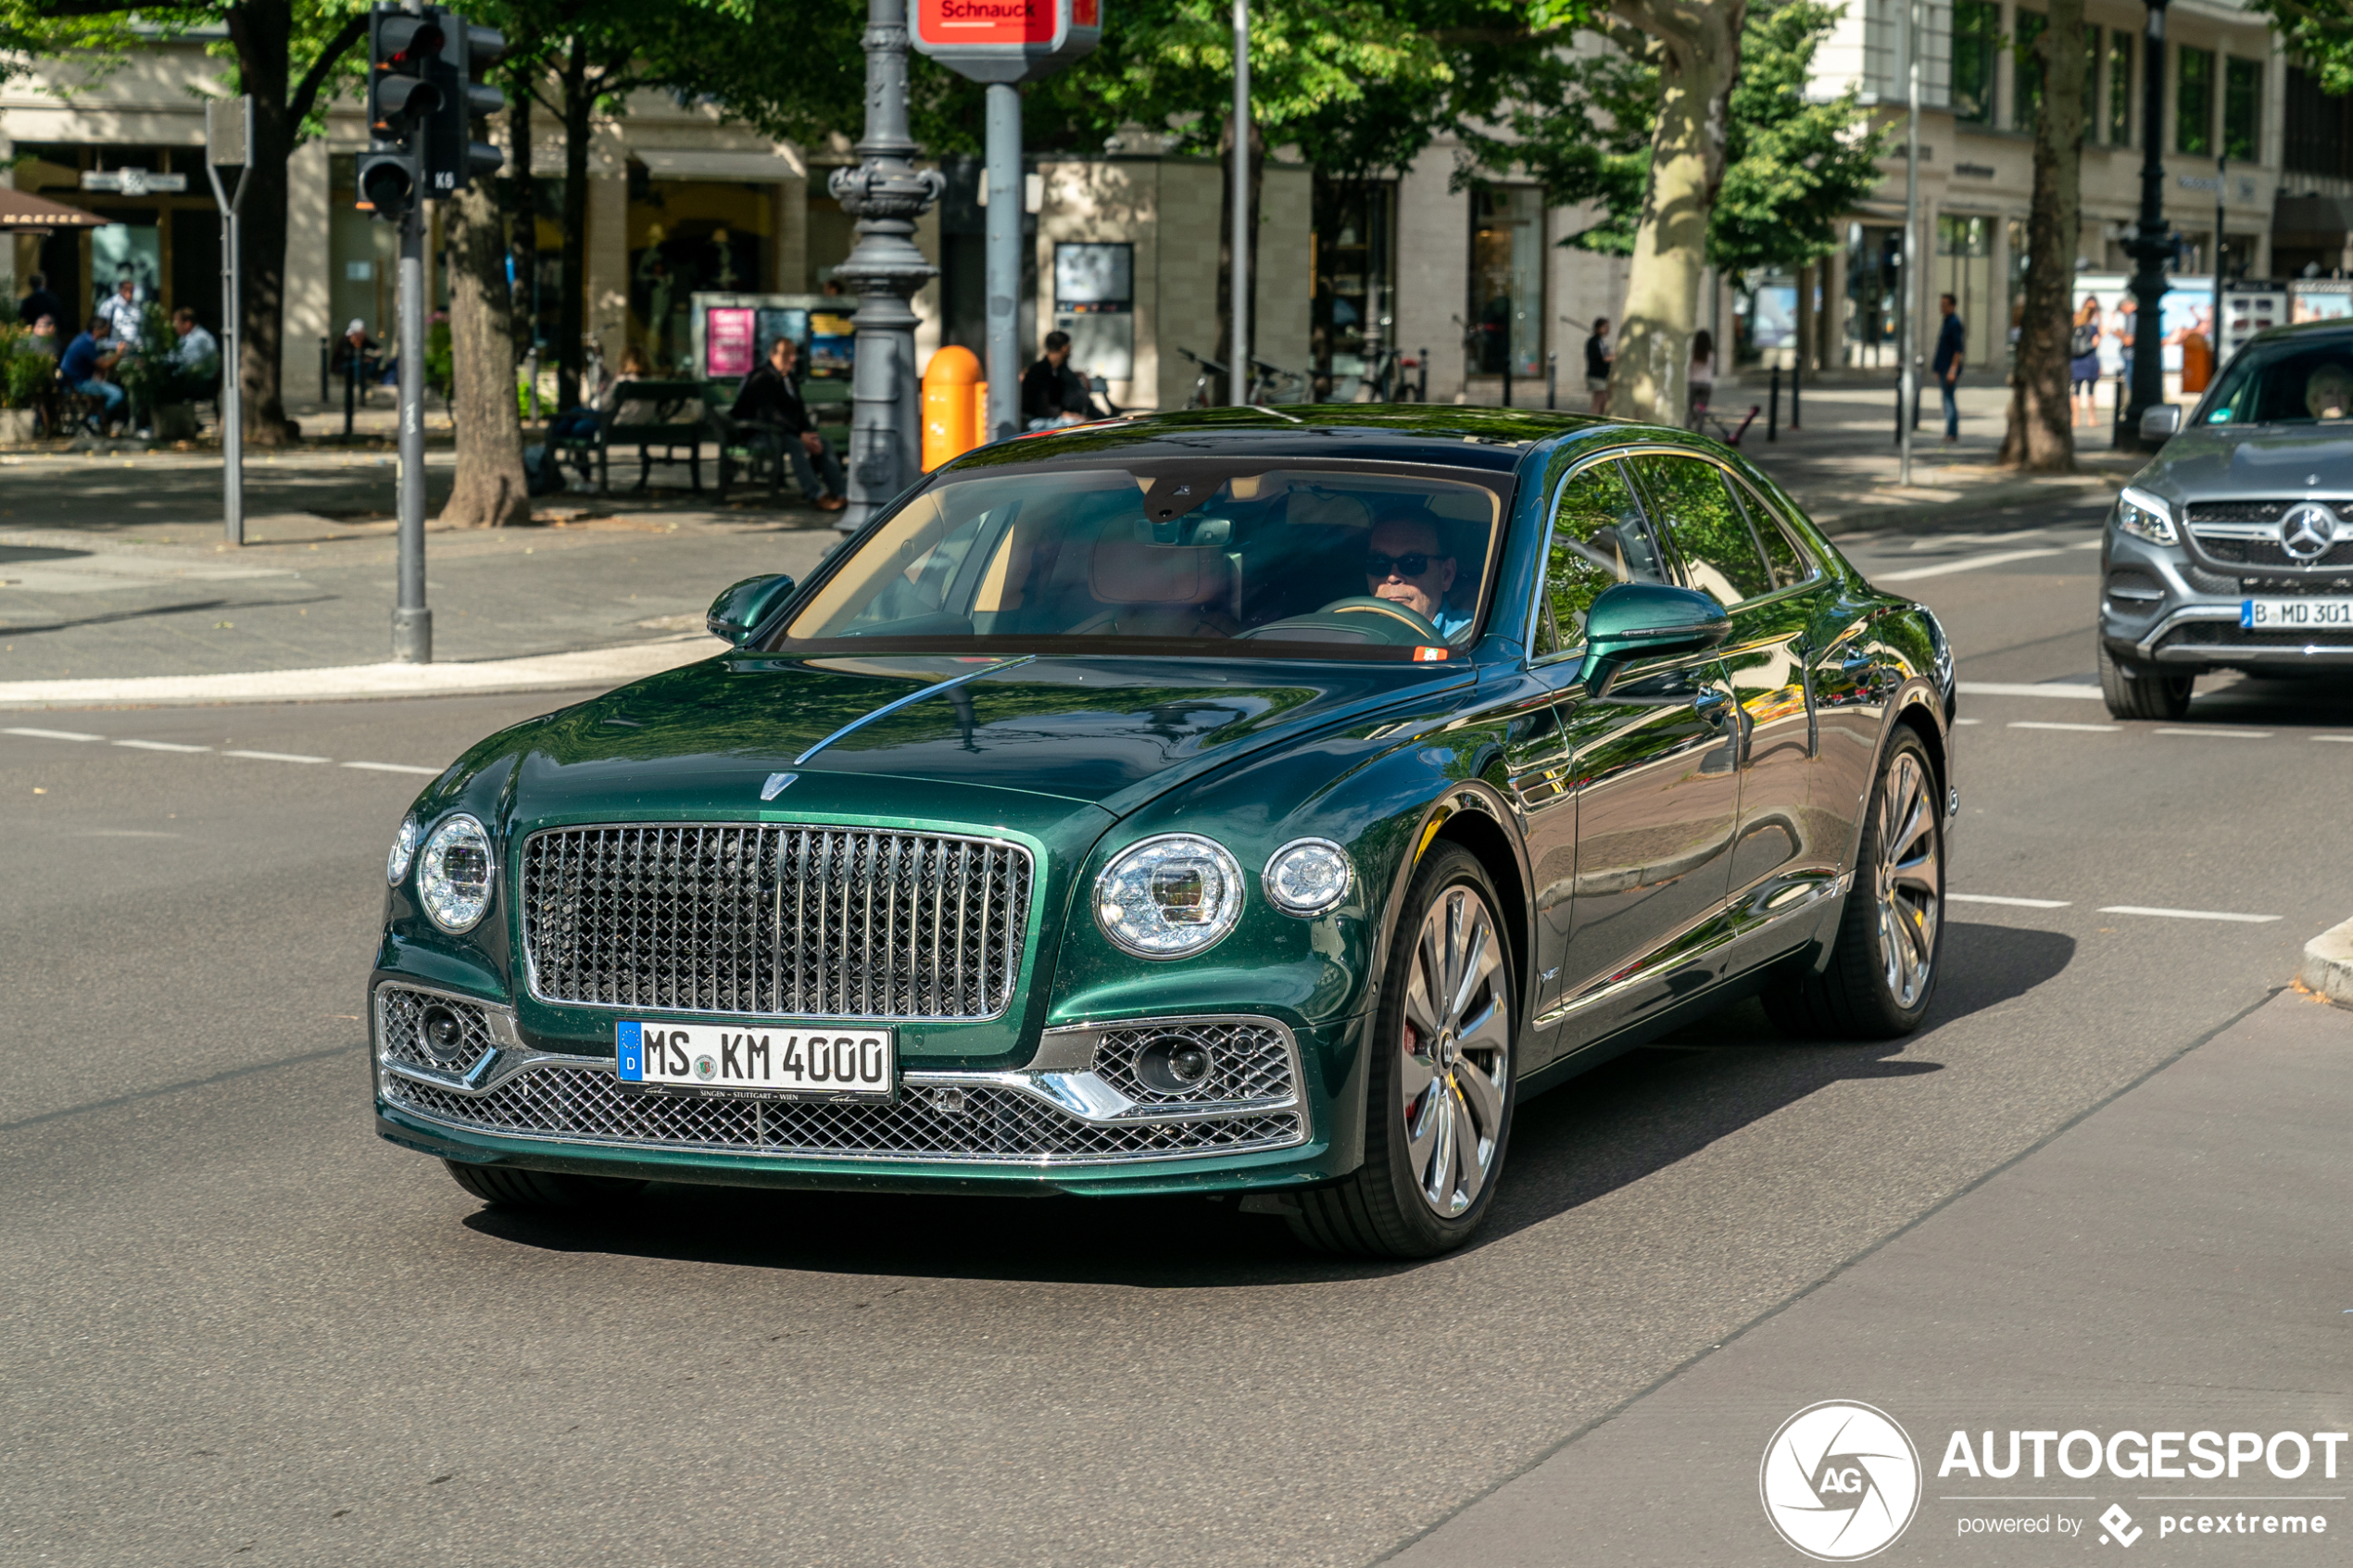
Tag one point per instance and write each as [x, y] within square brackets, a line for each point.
[2233, 548]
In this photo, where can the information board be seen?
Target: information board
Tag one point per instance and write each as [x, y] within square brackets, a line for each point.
[1007, 40]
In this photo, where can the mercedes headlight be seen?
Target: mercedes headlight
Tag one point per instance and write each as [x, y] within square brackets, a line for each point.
[1308, 876]
[404, 850]
[2144, 516]
[1169, 897]
[454, 875]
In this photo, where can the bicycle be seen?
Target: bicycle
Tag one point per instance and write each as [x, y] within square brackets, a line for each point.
[1705, 422]
[1209, 369]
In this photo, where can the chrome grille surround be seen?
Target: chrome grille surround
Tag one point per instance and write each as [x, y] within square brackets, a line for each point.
[775, 919]
[2246, 532]
[399, 1016]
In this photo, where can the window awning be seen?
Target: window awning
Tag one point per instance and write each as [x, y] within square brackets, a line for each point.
[701, 163]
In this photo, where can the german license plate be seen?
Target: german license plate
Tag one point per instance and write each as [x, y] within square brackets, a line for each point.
[800, 1061]
[2295, 615]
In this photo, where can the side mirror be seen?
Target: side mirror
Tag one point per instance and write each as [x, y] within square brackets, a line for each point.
[1646, 621]
[744, 610]
[2161, 423]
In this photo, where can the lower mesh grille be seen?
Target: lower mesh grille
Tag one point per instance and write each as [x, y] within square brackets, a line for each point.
[400, 1035]
[1246, 1061]
[994, 1124]
[2228, 634]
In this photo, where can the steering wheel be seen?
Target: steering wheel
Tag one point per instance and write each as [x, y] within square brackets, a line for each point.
[1364, 604]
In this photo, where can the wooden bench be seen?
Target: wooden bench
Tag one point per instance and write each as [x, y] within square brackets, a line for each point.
[678, 430]
[756, 453]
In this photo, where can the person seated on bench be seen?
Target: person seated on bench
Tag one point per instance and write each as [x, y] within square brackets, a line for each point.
[580, 423]
[1051, 393]
[193, 363]
[84, 366]
[769, 403]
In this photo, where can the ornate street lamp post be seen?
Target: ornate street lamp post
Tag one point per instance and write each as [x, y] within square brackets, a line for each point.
[885, 194]
[2151, 246]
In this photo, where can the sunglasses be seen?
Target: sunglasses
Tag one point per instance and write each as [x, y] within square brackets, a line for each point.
[1412, 564]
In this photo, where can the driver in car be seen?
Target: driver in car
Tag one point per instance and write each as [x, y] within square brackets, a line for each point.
[2329, 393]
[1407, 563]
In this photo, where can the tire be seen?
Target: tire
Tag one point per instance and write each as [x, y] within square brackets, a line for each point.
[1883, 965]
[2136, 692]
[1444, 1070]
[510, 1186]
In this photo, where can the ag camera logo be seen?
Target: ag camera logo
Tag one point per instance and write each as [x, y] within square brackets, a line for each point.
[1841, 1480]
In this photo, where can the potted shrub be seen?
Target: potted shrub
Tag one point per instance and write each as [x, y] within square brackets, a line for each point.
[27, 375]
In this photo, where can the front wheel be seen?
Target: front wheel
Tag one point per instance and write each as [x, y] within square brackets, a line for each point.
[1882, 969]
[2135, 691]
[1440, 1086]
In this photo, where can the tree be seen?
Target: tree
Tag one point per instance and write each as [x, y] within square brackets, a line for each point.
[289, 55]
[2041, 435]
[2320, 31]
[491, 491]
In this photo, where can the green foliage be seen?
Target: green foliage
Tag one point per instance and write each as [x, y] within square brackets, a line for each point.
[1791, 165]
[441, 371]
[25, 372]
[2320, 30]
[144, 370]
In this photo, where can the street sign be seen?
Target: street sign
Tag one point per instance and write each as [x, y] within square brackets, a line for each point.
[1007, 40]
[131, 182]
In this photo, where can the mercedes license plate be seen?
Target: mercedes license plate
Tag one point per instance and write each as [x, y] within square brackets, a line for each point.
[2295, 615]
[798, 1061]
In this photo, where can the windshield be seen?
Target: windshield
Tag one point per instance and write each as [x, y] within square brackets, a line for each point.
[1365, 560]
[2299, 380]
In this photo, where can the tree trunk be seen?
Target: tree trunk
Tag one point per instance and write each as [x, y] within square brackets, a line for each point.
[2041, 436]
[490, 492]
[1225, 349]
[571, 310]
[523, 211]
[1697, 50]
[261, 33]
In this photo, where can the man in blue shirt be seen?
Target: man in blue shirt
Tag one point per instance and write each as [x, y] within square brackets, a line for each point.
[1947, 364]
[83, 362]
[1407, 563]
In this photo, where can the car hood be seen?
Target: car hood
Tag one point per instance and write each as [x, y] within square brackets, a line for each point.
[1106, 732]
[2215, 462]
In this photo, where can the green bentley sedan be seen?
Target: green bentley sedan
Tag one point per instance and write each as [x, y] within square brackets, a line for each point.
[1241, 801]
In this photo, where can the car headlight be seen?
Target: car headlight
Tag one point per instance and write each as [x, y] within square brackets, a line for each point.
[454, 875]
[1308, 876]
[404, 850]
[1170, 897]
[2144, 516]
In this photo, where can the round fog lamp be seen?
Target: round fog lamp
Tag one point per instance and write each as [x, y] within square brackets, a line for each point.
[1169, 897]
[444, 1033]
[404, 850]
[454, 875]
[1308, 876]
[1174, 1064]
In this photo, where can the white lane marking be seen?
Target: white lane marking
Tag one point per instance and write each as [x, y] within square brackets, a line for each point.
[2088, 545]
[2345, 739]
[2185, 914]
[277, 756]
[1968, 720]
[1971, 564]
[393, 768]
[2021, 903]
[2046, 724]
[2022, 688]
[160, 746]
[76, 734]
[2225, 735]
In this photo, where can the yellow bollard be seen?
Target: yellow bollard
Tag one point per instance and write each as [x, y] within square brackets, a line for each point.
[950, 429]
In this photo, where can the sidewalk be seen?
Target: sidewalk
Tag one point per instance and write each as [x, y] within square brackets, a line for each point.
[2171, 1262]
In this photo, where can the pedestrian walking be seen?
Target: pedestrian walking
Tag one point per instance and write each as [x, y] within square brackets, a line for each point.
[2084, 362]
[1947, 363]
[1703, 376]
[1597, 362]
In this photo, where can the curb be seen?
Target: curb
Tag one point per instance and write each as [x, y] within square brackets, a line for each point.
[589, 667]
[2328, 964]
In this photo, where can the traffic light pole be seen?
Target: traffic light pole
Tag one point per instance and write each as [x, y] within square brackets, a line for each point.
[411, 620]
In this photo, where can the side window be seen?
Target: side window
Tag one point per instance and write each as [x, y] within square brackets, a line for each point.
[1707, 526]
[1599, 540]
[1788, 563]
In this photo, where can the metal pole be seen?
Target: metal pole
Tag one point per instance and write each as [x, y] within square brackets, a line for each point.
[1908, 383]
[1239, 382]
[1006, 204]
[2214, 327]
[885, 193]
[411, 621]
[232, 403]
[2150, 245]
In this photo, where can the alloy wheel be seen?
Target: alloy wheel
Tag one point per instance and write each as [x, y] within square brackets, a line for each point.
[1456, 1051]
[1910, 878]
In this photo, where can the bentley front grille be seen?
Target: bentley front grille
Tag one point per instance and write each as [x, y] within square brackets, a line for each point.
[775, 919]
[976, 1123]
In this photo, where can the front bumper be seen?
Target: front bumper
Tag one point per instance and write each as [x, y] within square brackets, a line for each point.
[2158, 606]
[1074, 1120]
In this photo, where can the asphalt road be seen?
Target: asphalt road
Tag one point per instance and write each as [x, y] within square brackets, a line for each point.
[242, 1330]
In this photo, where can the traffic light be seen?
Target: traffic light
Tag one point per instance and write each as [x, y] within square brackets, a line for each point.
[404, 49]
[453, 158]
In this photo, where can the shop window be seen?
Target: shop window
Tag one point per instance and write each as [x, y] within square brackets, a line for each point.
[1355, 283]
[1965, 269]
[688, 237]
[2120, 77]
[1507, 280]
[1977, 31]
[2194, 101]
[2319, 129]
[2242, 108]
[2027, 71]
[1874, 291]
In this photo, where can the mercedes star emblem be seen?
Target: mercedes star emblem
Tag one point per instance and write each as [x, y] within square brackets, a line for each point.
[2308, 531]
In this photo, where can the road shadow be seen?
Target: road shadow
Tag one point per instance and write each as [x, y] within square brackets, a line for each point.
[2304, 704]
[1624, 1121]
